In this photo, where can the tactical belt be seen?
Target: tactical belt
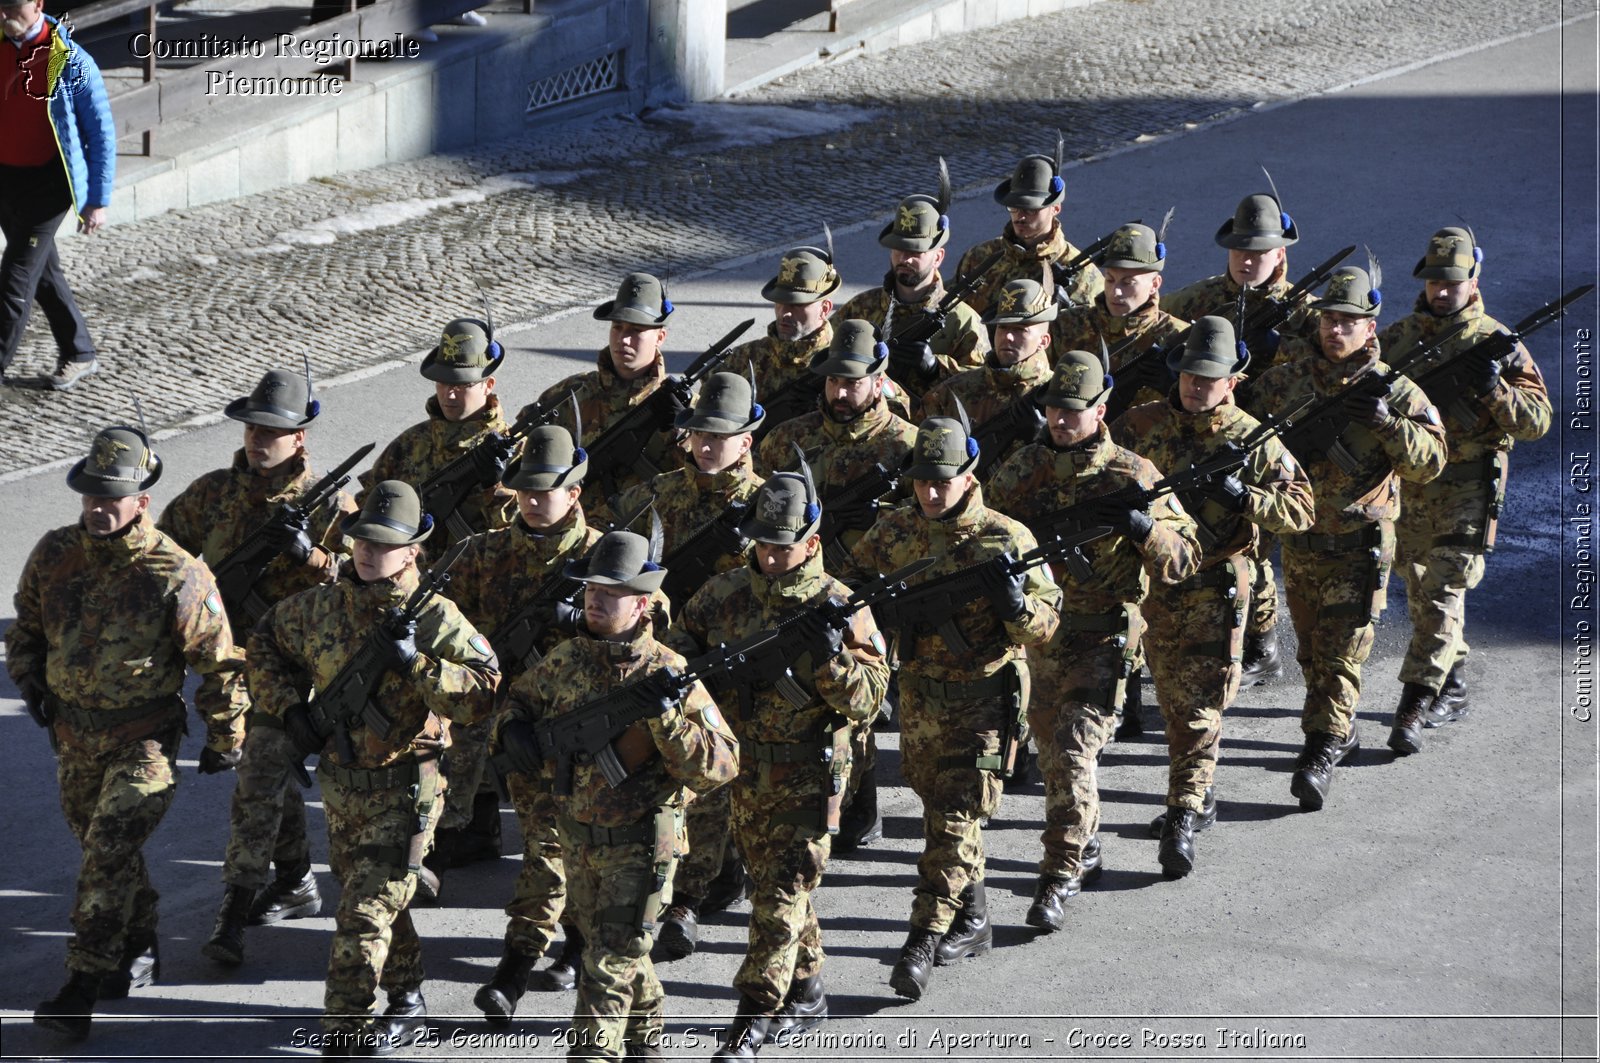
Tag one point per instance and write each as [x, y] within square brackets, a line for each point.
[394, 777]
[257, 718]
[785, 752]
[1471, 471]
[1221, 575]
[992, 687]
[1115, 620]
[80, 719]
[642, 833]
[1360, 539]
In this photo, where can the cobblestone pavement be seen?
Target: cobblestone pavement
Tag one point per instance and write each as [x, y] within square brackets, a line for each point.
[357, 269]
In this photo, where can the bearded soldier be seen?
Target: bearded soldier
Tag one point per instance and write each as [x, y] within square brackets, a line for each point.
[1080, 675]
[212, 517]
[963, 687]
[794, 740]
[621, 842]
[1336, 574]
[1446, 527]
[109, 612]
[802, 298]
[382, 789]
[1197, 626]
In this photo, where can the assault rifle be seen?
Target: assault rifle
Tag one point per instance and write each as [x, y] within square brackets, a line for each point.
[444, 491]
[844, 508]
[925, 324]
[622, 446]
[1018, 421]
[795, 399]
[695, 559]
[1065, 274]
[238, 573]
[517, 638]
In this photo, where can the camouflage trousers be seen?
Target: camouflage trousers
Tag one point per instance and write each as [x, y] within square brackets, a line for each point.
[942, 740]
[113, 803]
[1264, 587]
[616, 894]
[466, 764]
[1195, 642]
[1335, 597]
[375, 944]
[708, 845]
[1079, 680]
[785, 856]
[540, 895]
[267, 821]
[1436, 549]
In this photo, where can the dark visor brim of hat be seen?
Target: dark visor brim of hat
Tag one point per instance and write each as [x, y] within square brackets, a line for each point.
[609, 311]
[266, 417]
[86, 483]
[464, 374]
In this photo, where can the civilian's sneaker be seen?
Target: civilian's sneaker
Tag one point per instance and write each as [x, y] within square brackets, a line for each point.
[68, 374]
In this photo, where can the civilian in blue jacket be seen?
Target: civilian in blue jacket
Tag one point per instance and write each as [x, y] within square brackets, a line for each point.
[58, 151]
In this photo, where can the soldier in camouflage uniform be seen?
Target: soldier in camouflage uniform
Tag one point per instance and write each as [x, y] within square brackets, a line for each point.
[957, 702]
[210, 518]
[802, 298]
[794, 749]
[720, 431]
[384, 804]
[916, 240]
[1081, 673]
[1446, 527]
[1336, 574]
[621, 843]
[1257, 238]
[495, 582]
[630, 371]
[854, 430]
[1032, 241]
[1197, 626]
[109, 612]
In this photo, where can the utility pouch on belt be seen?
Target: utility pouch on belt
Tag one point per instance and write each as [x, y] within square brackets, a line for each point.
[1122, 624]
[1490, 472]
[667, 822]
[1014, 729]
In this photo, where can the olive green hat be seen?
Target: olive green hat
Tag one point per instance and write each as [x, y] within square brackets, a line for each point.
[623, 559]
[391, 514]
[1022, 302]
[1079, 382]
[120, 463]
[785, 510]
[549, 460]
[1351, 290]
[805, 275]
[467, 353]
[1136, 246]
[856, 351]
[1259, 223]
[641, 300]
[280, 400]
[921, 223]
[1210, 349]
[1453, 255]
[1035, 183]
[726, 406]
[944, 448]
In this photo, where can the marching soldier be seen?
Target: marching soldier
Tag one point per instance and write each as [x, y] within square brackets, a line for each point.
[794, 749]
[109, 612]
[957, 701]
[382, 795]
[1336, 574]
[621, 843]
[1032, 241]
[802, 298]
[210, 518]
[1196, 671]
[854, 429]
[1081, 673]
[1446, 527]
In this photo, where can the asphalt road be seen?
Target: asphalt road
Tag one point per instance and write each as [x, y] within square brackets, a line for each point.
[1439, 908]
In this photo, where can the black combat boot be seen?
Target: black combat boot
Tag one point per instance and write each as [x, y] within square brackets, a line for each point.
[729, 887]
[911, 972]
[970, 934]
[226, 945]
[1207, 816]
[292, 895]
[862, 823]
[804, 1008]
[481, 840]
[1261, 663]
[748, 1032]
[141, 966]
[1313, 776]
[498, 999]
[403, 1023]
[1451, 704]
[71, 1010]
[1131, 725]
[1405, 737]
[1177, 842]
[1048, 911]
[562, 974]
[680, 930]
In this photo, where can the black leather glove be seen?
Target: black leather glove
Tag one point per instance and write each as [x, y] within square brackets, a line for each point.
[1117, 514]
[672, 398]
[857, 518]
[914, 360]
[1263, 346]
[1229, 492]
[34, 692]
[660, 690]
[1030, 422]
[568, 615]
[491, 457]
[297, 725]
[400, 644]
[521, 745]
[1063, 279]
[1367, 406]
[1003, 588]
[212, 762]
[1482, 375]
[813, 632]
[1152, 373]
[290, 540]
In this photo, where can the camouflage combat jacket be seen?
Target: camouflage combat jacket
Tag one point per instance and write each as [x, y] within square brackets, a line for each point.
[1220, 295]
[1476, 425]
[1083, 327]
[777, 362]
[690, 748]
[603, 399]
[1277, 492]
[303, 642]
[1040, 479]
[426, 447]
[109, 624]
[687, 499]
[986, 392]
[1032, 263]
[973, 533]
[961, 344]
[215, 513]
[1409, 447]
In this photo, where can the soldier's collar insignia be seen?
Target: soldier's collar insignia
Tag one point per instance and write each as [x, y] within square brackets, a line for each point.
[106, 451]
